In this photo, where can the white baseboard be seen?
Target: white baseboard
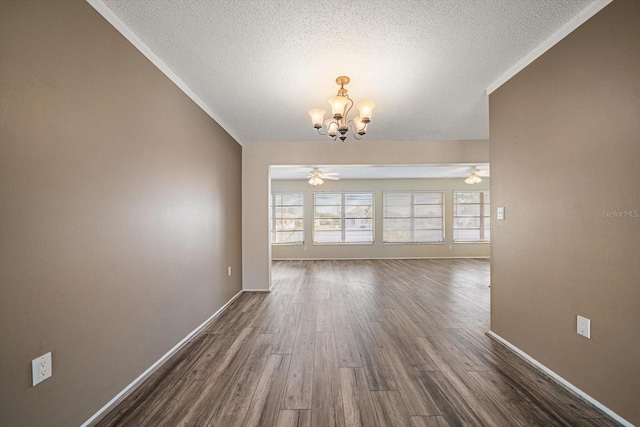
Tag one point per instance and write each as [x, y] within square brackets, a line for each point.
[564, 383]
[146, 374]
[379, 258]
[258, 290]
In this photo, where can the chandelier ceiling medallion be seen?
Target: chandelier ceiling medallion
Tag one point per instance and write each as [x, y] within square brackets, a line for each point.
[341, 105]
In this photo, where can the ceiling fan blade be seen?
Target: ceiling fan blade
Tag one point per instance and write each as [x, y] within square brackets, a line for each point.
[332, 178]
[461, 169]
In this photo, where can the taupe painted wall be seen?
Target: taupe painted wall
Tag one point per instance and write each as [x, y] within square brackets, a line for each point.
[120, 210]
[256, 182]
[378, 249]
[565, 151]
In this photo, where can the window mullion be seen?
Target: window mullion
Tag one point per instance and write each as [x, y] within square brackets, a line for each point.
[412, 219]
[482, 216]
[342, 219]
[273, 218]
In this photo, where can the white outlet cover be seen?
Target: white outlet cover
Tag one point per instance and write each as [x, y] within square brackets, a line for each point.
[41, 368]
[584, 327]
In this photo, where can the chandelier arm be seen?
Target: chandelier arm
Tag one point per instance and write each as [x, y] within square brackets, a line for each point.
[326, 133]
[354, 130]
[347, 110]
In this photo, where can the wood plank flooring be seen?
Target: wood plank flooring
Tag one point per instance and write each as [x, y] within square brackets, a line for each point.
[355, 343]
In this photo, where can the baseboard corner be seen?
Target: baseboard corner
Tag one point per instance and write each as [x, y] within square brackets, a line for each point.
[153, 368]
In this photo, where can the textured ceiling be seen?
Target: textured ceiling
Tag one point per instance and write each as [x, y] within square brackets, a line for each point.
[259, 65]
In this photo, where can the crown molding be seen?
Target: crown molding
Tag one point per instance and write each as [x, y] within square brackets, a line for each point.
[123, 29]
[564, 31]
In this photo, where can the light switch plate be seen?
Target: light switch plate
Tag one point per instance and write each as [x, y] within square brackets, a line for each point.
[500, 212]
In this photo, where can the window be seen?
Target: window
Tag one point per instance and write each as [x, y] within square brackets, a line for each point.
[471, 216]
[287, 218]
[413, 217]
[343, 218]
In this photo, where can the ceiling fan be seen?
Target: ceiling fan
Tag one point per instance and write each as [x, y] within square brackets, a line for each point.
[464, 170]
[317, 177]
[474, 174]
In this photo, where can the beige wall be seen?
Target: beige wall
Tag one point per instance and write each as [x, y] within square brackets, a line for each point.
[120, 212]
[256, 159]
[565, 151]
[378, 249]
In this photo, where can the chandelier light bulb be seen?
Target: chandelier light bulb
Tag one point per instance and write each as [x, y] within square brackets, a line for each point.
[332, 127]
[317, 116]
[338, 106]
[360, 125]
[365, 108]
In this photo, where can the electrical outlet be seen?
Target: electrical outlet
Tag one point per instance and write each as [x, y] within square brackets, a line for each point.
[41, 368]
[584, 327]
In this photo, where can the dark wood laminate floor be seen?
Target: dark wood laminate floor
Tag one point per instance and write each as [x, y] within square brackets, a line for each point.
[355, 343]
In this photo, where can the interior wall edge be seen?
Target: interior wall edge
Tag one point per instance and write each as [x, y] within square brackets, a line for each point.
[557, 378]
[126, 32]
[158, 364]
[562, 251]
[563, 32]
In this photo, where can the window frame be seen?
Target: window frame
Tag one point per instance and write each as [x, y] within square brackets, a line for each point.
[273, 220]
[412, 218]
[343, 218]
[484, 214]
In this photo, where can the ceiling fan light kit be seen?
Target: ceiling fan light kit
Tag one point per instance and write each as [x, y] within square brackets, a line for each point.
[316, 180]
[338, 126]
[474, 177]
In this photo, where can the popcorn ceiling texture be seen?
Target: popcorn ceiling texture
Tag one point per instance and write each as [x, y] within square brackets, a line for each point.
[260, 65]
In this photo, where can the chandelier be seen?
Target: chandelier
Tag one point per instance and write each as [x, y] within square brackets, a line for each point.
[341, 105]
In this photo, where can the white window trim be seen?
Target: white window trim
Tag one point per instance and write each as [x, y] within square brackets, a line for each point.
[482, 218]
[342, 219]
[273, 219]
[412, 194]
